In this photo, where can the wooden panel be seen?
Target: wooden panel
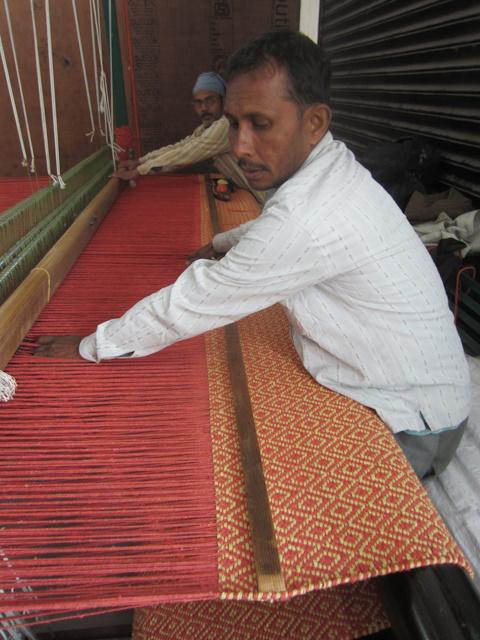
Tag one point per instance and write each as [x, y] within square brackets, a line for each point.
[72, 106]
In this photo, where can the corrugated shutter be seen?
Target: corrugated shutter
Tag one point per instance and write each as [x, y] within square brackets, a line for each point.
[408, 66]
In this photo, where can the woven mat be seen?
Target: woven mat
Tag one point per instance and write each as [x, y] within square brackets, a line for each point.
[345, 503]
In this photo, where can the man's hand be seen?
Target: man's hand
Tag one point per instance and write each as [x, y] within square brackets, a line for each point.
[128, 164]
[131, 174]
[65, 347]
[206, 252]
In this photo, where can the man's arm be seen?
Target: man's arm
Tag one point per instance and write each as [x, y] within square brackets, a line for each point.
[221, 243]
[263, 269]
[202, 145]
[207, 252]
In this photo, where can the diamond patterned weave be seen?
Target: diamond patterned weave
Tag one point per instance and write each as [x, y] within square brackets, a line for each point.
[345, 503]
[346, 612]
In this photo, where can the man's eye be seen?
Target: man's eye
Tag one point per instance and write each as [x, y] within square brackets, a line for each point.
[260, 125]
[233, 124]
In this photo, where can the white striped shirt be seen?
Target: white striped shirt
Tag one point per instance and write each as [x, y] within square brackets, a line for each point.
[204, 143]
[368, 311]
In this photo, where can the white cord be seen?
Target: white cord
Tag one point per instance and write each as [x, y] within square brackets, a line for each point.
[101, 97]
[112, 131]
[40, 93]
[80, 46]
[14, 106]
[14, 51]
[58, 176]
[104, 105]
[94, 50]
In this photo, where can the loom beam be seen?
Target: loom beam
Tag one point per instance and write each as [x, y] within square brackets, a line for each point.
[24, 305]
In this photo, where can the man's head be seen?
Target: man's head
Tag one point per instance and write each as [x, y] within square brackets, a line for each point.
[208, 94]
[276, 102]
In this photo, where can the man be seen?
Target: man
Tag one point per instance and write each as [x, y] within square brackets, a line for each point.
[208, 141]
[368, 313]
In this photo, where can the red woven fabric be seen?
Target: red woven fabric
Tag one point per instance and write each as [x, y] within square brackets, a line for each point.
[107, 497]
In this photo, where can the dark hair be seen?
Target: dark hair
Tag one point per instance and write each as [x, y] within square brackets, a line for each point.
[307, 65]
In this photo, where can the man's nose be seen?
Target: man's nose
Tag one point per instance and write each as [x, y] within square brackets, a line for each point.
[241, 142]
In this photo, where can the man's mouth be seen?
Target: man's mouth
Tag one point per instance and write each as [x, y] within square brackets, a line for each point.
[251, 170]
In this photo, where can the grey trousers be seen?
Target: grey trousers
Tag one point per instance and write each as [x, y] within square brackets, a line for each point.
[429, 455]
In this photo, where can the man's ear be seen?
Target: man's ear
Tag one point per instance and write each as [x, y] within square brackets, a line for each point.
[318, 121]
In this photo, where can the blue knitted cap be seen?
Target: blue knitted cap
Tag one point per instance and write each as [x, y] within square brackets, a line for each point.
[210, 81]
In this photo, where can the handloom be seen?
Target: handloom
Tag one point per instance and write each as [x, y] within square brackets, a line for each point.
[35, 264]
[122, 483]
[30, 229]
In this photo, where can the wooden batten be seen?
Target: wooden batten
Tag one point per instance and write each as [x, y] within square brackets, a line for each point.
[264, 543]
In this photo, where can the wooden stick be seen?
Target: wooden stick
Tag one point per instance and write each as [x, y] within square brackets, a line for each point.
[265, 550]
[22, 308]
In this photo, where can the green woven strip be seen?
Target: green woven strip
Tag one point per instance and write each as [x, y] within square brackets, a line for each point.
[20, 259]
[17, 221]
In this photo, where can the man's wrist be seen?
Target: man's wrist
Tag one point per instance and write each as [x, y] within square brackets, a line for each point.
[88, 348]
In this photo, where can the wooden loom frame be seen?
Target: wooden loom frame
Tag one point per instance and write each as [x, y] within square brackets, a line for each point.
[412, 599]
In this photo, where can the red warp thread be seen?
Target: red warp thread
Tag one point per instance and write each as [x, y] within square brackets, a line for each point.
[106, 494]
[14, 190]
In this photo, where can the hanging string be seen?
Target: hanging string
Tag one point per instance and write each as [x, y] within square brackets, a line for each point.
[101, 79]
[95, 70]
[80, 46]
[14, 52]
[12, 100]
[40, 92]
[27, 125]
[105, 104]
[115, 147]
[57, 177]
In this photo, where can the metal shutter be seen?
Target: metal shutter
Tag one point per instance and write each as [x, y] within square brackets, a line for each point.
[408, 66]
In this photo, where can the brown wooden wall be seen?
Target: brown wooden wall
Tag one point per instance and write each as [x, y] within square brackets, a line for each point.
[72, 106]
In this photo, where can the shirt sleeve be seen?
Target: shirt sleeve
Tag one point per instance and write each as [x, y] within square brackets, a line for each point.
[203, 144]
[223, 242]
[270, 262]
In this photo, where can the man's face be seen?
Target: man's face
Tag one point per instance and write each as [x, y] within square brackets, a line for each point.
[208, 106]
[268, 135]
